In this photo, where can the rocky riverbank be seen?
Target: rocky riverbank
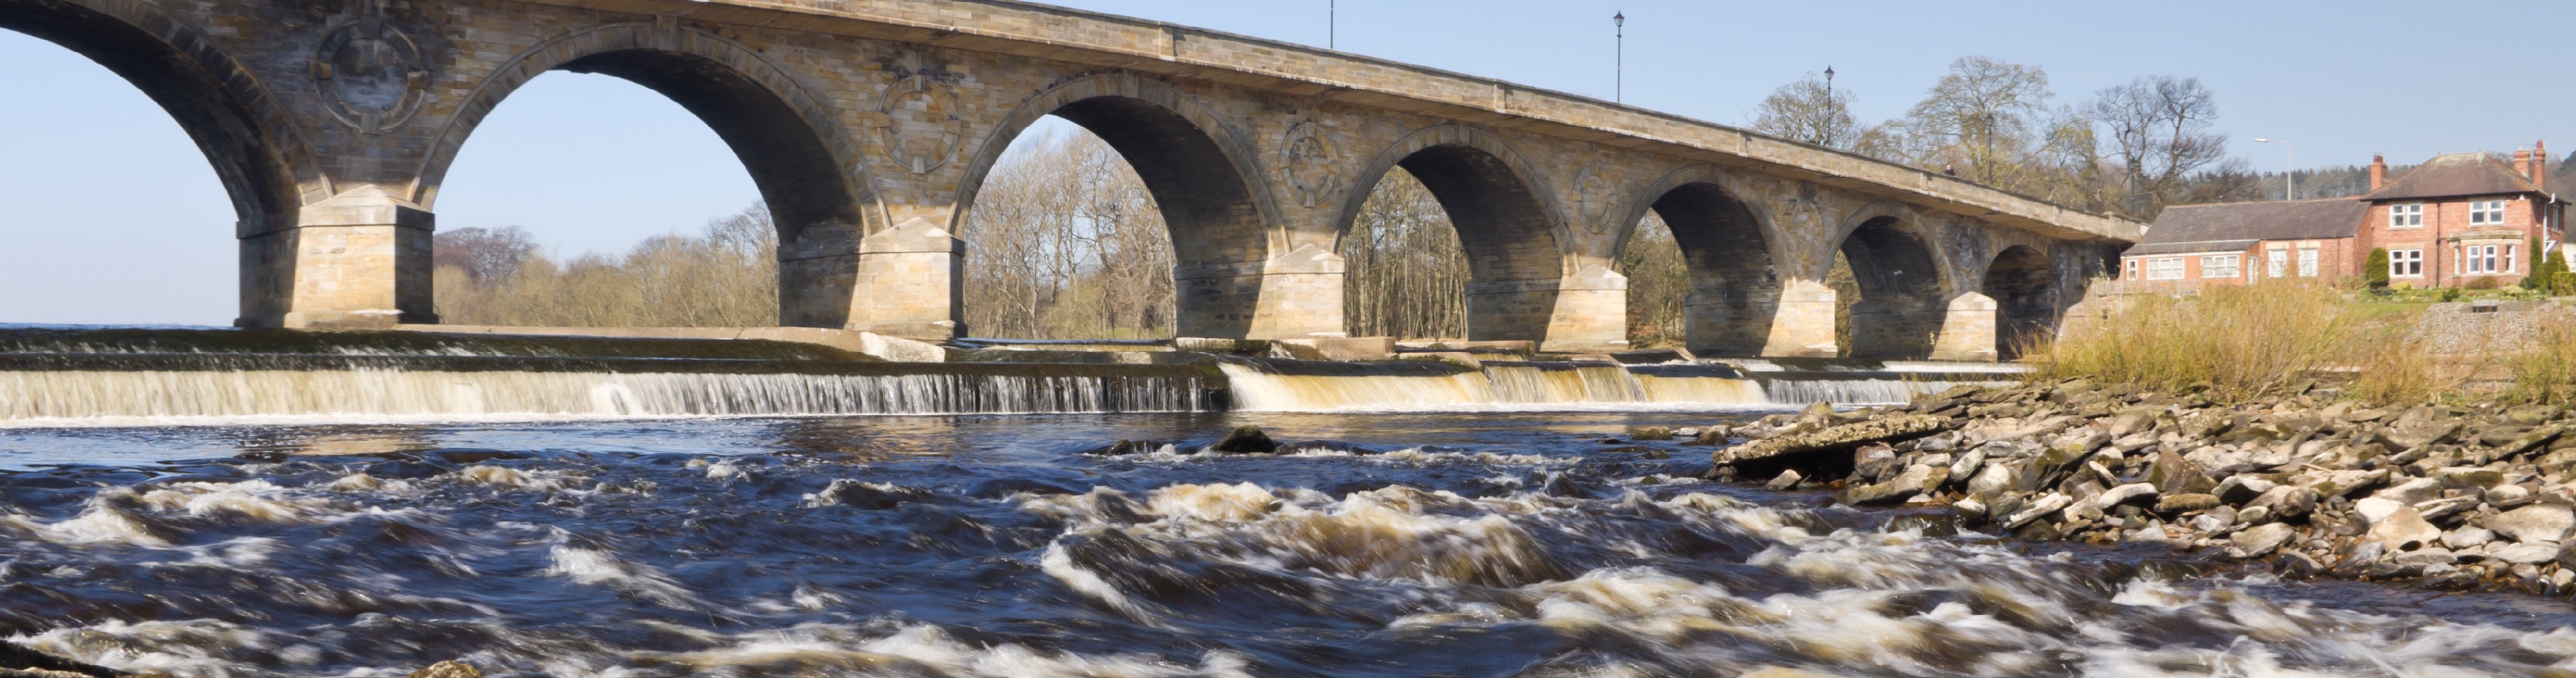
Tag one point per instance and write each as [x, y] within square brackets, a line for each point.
[2442, 497]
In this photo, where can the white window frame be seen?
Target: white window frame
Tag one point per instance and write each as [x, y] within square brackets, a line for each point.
[2486, 212]
[2405, 263]
[2133, 269]
[2477, 259]
[2308, 261]
[2277, 262]
[2405, 215]
[2164, 268]
[2212, 264]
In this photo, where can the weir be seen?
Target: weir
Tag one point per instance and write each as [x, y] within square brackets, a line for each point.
[140, 376]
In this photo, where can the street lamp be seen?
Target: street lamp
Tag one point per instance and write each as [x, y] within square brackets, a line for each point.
[1619, 56]
[1830, 106]
[2290, 168]
[1332, 22]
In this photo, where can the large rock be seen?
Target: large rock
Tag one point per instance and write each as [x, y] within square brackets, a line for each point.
[1832, 439]
[2173, 474]
[2395, 526]
[2261, 540]
[2535, 523]
[2411, 492]
[1913, 481]
[447, 669]
[2525, 554]
[2285, 502]
[1245, 440]
[2185, 503]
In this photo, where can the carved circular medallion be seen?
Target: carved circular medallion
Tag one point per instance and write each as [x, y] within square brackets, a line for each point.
[923, 126]
[1309, 158]
[1594, 197]
[369, 73]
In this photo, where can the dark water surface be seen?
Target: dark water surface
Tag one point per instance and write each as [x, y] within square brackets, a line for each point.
[1514, 544]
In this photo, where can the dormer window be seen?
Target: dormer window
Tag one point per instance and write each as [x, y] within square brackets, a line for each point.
[2486, 212]
[2406, 215]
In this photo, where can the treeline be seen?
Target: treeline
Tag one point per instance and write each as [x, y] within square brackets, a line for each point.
[2129, 149]
[726, 275]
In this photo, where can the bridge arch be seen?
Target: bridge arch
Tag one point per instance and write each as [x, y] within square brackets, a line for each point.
[1205, 178]
[268, 170]
[1513, 233]
[787, 137]
[2022, 280]
[1903, 287]
[1728, 245]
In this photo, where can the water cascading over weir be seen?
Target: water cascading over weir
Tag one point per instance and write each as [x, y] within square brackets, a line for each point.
[136, 376]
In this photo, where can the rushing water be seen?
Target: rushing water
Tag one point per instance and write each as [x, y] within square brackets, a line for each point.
[1385, 545]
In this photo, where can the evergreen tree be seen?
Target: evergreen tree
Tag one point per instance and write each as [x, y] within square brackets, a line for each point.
[2377, 269]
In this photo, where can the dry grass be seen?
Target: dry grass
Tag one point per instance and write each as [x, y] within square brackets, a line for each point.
[2239, 343]
[2547, 373]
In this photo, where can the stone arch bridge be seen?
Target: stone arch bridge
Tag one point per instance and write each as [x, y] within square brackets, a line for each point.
[868, 126]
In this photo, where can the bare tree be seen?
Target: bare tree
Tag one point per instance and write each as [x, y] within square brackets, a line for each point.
[2159, 127]
[1985, 112]
[1404, 272]
[484, 255]
[1808, 111]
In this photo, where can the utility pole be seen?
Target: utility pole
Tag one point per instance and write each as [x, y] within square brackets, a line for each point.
[1619, 57]
[2289, 173]
[1332, 22]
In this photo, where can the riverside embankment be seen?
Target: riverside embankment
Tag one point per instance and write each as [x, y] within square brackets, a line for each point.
[2433, 496]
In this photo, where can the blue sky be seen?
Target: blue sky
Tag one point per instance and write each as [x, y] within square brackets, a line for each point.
[108, 214]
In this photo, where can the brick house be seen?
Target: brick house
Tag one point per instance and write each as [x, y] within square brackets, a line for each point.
[2463, 216]
[2191, 246]
[2456, 218]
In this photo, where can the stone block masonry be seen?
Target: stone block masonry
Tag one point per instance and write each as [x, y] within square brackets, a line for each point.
[869, 126]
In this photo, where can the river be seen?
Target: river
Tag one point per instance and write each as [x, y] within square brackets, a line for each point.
[1447, 544]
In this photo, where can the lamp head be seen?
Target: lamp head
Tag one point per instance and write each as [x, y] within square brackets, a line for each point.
[1618, 18]
[2262, 141]
[1829, 72]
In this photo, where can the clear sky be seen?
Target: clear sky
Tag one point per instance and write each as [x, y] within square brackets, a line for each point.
[109, 215]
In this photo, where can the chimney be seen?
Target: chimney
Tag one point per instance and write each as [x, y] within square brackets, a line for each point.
[2522, 164]
[2378, 171]
[2540, 165]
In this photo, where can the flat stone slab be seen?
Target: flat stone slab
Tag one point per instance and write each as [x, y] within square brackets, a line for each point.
[1833, 439]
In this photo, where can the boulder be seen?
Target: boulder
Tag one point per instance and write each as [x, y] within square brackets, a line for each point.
[1912, 482]
[2240, 489]
[2524, 554]
[2411, 492]
[2261, 540]
[1967, 464]
[2036, 509]
[1833, 439]
[1871, 462]
[1651, 433]
[2396, 526]
[2124, 494]
[1788, 479]
[2535, 523]
[2464, 477]
[1992, 482]
[447, 669]
[2185, 503]
[2173, 474]
[2285, 502]
[1245, 440]
[2468, 537]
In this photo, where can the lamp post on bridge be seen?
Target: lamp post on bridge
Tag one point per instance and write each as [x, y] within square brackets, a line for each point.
[2289, 167]
[1832, 108]
[1619, 56]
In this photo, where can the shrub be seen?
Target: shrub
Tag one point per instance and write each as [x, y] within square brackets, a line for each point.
[2377, 269]
[2481, 284]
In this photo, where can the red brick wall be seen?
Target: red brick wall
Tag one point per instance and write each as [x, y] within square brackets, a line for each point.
[2443, 219]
